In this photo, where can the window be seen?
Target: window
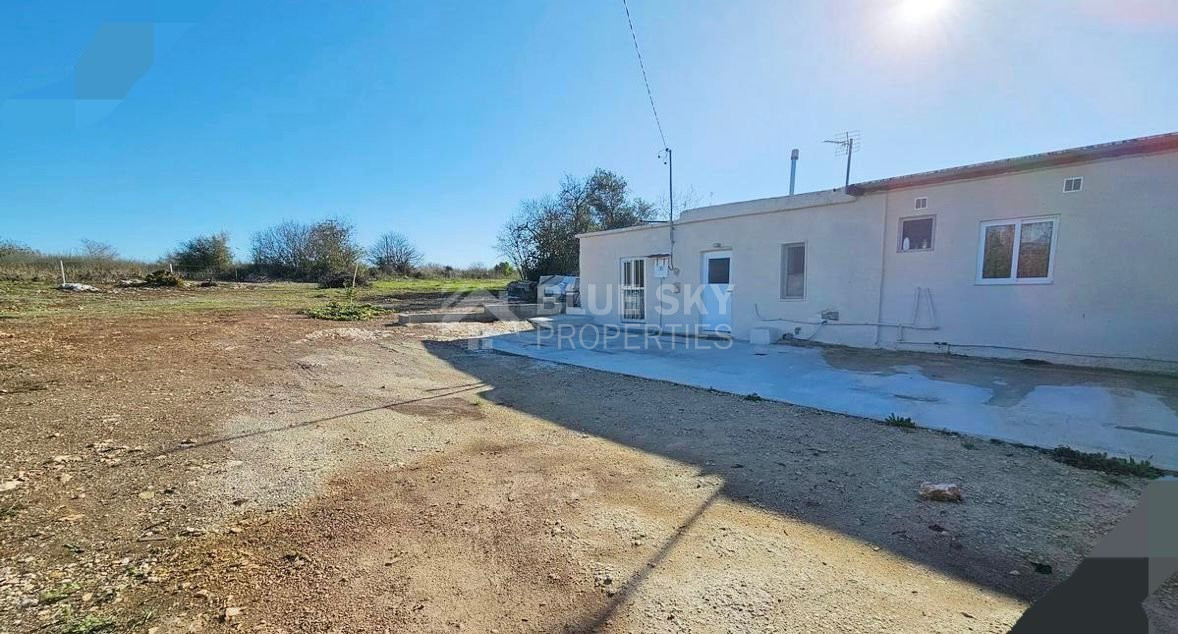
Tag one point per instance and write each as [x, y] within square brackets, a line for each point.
[921, 203]
[793, 271]
[1073, 184]
[1020, 251]
[916, 234]
[633, 289]
[719, 270]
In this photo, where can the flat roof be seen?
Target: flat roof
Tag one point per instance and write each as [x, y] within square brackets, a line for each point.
[1129, 147]
[1141, 145]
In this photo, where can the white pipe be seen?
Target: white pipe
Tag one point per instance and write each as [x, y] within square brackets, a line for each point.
[883, 263]
[827, 322]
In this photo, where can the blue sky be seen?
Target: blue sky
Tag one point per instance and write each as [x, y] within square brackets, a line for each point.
[436, 118]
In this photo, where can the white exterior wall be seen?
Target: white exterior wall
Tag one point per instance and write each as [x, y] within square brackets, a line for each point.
[843, 258]
[1115, 274]
[1114, 290]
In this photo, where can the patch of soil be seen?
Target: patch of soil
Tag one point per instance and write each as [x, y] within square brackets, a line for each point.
[225, 472]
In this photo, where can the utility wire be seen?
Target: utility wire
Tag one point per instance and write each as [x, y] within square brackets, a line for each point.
[649, 94]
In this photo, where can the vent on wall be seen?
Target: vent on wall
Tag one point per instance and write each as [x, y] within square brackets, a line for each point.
[1073, 184]
[921, 203]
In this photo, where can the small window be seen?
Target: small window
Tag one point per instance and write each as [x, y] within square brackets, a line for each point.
[719, 270]
[633, 273]
[921, 203]
[1073, 184]
[916, 234]
[793, 271]
[1020, 251]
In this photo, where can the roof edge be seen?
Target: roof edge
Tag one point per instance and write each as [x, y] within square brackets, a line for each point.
[1130, 147]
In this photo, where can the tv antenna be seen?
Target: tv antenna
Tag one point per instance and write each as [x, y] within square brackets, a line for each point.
[846, 143]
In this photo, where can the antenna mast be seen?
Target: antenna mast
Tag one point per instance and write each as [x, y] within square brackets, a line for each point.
[846, 143]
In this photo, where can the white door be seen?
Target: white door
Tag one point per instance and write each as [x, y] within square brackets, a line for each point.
[717, 292]
[634, 289]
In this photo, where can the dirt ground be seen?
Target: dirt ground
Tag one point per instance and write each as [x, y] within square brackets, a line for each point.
[255, 470]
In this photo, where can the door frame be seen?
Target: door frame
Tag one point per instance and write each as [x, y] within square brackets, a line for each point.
[716, 254]
[623, 287]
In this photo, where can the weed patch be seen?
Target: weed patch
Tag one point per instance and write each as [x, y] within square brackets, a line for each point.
[58, 593]
[902, 422]
[344, 311]
[163, 278]
[1098, 461]
[87, 624]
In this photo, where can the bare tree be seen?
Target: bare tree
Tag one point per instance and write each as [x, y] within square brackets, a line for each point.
[394, 253]
[98, 250]
[306, 252]
[283, 250]
[10, 248]
[685, 199]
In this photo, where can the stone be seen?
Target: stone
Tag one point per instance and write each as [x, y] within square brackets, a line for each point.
[78, 288]
[940, 492]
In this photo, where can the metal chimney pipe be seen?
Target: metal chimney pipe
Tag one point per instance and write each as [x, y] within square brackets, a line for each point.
[793, 169]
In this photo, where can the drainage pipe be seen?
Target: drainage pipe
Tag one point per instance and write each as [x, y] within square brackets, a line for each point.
[883, 324]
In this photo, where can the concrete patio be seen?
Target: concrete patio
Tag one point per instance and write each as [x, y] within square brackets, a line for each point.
[1123, 414]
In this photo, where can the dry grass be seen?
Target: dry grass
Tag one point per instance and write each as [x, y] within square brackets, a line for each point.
[43, 301]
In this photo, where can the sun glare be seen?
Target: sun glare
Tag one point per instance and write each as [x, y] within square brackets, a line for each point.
[917, 12]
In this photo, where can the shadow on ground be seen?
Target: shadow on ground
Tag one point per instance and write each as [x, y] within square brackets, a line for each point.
[1022, 512]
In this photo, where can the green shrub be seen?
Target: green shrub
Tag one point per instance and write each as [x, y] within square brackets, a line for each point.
[1098, 461]
[163, 278]
[343, 279]
[899, 421]
[344, 311]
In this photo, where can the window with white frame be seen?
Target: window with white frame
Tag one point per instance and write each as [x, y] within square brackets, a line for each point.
[921, 203]
[916, 234]
[1017, 251]
[793, 271]
[1073, 184]
[633, 289]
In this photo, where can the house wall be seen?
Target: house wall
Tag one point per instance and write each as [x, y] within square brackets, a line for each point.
[843, 258]
[1113, 292]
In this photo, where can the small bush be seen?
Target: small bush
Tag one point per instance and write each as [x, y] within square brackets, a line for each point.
[753, 397]
[1098, 461]
[163, 278]
[344, 311]
[343, 279]
[899, 421]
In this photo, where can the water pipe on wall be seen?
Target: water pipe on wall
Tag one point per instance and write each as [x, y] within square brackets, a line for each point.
[920, 291]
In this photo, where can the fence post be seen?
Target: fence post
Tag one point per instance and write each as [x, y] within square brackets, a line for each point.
[62, 263]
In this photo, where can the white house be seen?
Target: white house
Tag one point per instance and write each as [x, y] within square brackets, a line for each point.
[1068, 256]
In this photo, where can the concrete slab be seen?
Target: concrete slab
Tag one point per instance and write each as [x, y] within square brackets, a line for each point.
[1123, 414]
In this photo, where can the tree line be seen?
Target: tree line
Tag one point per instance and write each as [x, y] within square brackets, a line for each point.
[326, 251]
[539, 239]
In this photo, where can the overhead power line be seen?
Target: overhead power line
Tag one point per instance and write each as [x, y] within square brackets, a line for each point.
[641, 65]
